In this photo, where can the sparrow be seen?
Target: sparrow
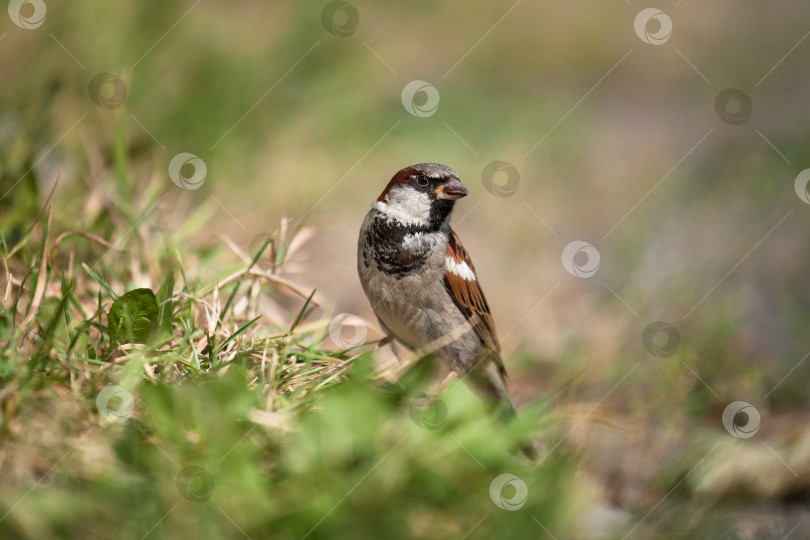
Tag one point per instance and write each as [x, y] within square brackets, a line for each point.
[422, 284]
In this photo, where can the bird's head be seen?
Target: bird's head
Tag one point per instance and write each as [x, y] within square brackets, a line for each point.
[421, 195]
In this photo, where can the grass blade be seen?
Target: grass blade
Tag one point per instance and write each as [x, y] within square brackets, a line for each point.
[100, 281]
[242, 278]
[303, 310]
[235, 334]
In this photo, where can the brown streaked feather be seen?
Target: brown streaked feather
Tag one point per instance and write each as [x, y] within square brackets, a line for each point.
[470, 299]
[402, 177]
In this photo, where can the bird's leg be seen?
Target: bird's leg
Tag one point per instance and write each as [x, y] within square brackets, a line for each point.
[447, 380]
[383, 342]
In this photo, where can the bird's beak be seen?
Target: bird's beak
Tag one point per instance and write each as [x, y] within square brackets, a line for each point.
[451, 190]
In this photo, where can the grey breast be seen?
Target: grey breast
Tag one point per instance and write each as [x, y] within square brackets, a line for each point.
[415, 307]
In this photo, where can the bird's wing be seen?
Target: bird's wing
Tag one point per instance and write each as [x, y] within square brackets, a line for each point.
[461, 282]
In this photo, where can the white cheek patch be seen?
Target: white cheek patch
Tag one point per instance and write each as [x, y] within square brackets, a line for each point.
[460, 269]
[405, 211]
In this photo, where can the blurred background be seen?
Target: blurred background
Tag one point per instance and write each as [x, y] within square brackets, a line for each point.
[664, 140]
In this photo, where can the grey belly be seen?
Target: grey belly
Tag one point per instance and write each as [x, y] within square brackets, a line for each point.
[422, 316]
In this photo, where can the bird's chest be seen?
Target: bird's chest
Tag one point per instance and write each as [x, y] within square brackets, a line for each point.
[398, 250]
[403, 277]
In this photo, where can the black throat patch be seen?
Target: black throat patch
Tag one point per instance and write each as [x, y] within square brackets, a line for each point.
[386, 241]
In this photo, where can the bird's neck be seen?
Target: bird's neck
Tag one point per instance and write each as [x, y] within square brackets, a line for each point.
[400, 248]
[433, 219]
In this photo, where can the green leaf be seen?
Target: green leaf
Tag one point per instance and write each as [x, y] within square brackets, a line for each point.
[165, 305]
[133, 318]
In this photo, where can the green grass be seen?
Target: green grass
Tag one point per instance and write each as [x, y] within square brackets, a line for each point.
[192, 415]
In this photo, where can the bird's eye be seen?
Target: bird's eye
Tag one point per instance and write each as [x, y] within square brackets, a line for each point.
[422, 181]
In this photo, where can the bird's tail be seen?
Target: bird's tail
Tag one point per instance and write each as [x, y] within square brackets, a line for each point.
[492, 381]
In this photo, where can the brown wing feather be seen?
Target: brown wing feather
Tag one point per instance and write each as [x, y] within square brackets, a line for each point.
[469, 298]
